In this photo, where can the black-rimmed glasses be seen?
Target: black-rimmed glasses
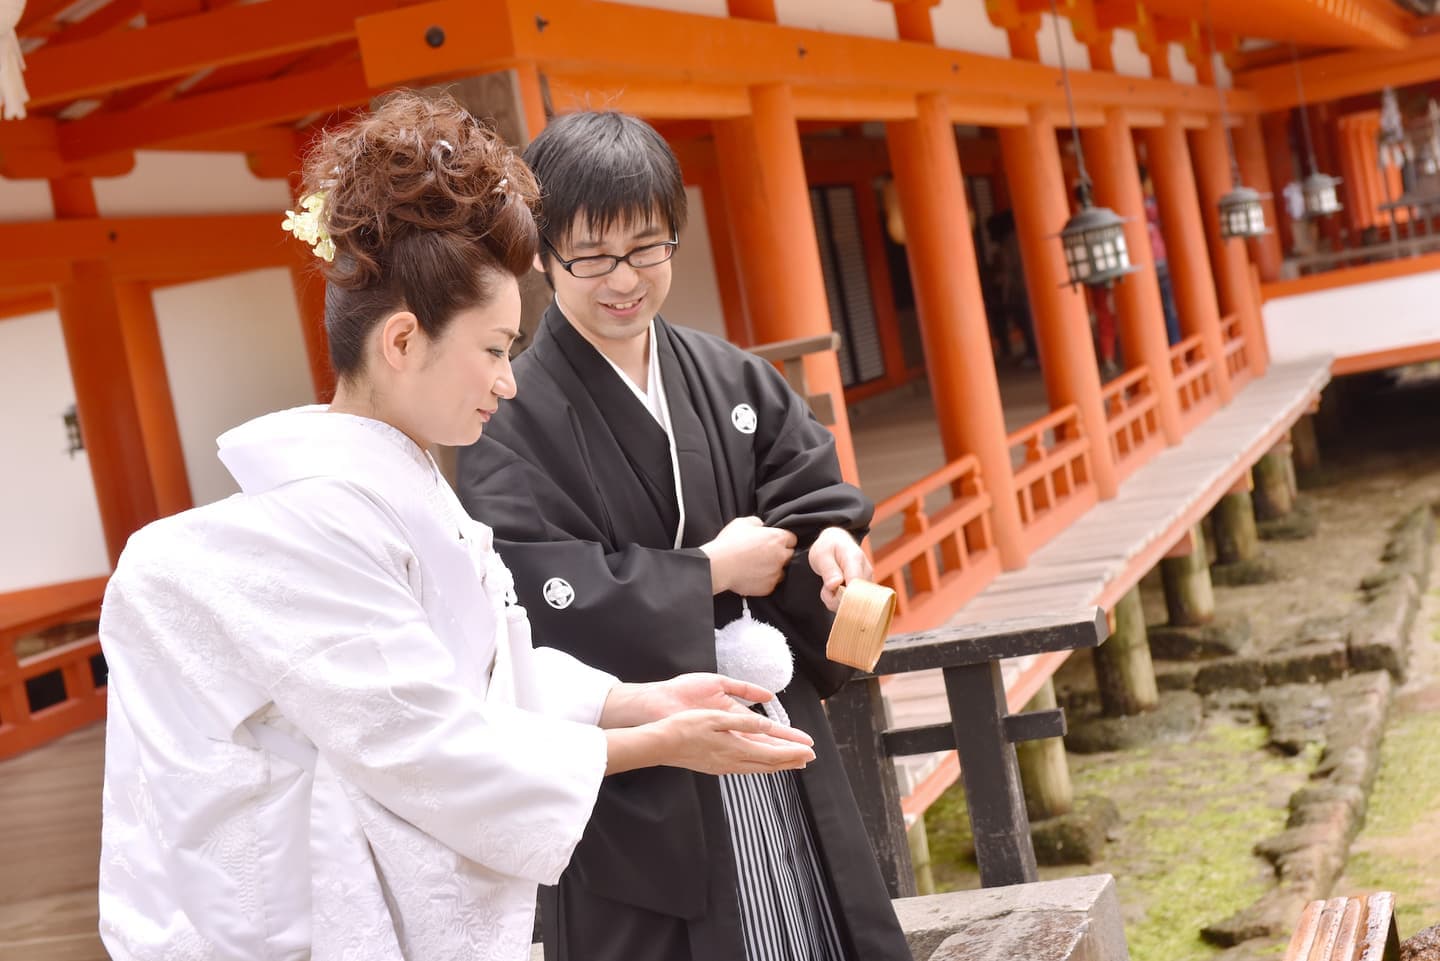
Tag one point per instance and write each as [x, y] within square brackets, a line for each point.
[598, 265]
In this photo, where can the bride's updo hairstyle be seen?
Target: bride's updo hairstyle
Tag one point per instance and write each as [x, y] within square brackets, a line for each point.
[427, 210]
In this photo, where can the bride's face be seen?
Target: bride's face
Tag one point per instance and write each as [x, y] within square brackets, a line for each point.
[457, 381]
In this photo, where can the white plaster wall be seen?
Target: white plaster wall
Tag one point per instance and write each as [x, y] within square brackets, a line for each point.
[1077, 56]
[714, 8]
[1181, 69]
[964, 25]
[25, 200]
[1129, 58]
[233, 351]
[180, 182]
[865, 18]
[49, 521]
[694, 299]
[1359, 319]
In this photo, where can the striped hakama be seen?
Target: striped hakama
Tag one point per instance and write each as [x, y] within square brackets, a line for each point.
[785, 911]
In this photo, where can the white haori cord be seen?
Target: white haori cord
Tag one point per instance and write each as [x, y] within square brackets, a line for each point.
[13, 95]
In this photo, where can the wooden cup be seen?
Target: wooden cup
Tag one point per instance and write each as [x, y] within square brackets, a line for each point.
[861, 624]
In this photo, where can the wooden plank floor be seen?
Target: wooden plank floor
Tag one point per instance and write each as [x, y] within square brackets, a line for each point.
[1105, 549]
[50, 850]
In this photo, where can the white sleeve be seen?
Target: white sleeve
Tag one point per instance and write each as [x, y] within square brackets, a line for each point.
[312, 590]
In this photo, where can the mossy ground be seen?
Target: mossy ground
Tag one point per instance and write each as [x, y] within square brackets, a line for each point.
[1182, 853]
[1399, 848]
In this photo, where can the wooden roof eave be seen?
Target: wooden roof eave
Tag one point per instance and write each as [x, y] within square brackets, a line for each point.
[1346, 73]
[665, 58]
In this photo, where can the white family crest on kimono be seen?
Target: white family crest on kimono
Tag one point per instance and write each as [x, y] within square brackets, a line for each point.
[329, 736]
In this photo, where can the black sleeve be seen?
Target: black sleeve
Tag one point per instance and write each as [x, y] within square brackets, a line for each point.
[799, 488]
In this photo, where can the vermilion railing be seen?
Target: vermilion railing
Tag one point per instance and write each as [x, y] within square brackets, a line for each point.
[1194, 381]
[75, 667]
[1053, 483]
[1132, 418]
[945, 553]
[1237, 359]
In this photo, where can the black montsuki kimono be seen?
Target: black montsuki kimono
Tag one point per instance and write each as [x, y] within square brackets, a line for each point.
[575, 477]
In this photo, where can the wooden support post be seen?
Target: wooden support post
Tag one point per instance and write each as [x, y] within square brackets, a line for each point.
[153, 401]
[1124, 673]
[858, 719]
[1044, 773]
[105, 392]
[1229, 258]
[1305, 444]
[1110, 152]
[920, 857]
[1274, 491]
[963, 381]
[1255, 170]
[1185, 572]
[1031, 158]
[991, 776]
[1179, 203]
[1236, 538]
[774, 230]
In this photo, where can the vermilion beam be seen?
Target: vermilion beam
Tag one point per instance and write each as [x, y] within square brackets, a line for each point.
[231, 35]
[239, 108]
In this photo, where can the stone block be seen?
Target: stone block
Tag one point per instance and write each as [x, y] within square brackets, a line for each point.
[1222, 638]
[1257, 570]
[1175, 719]
[1273, 916]
[1296, 715]
[1422, 946]
[1245, 673]
[1176, 675]
[1078, 837]
[1074, 919]
[1307, 664]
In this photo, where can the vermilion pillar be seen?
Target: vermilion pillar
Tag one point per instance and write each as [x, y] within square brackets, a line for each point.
[1031, 158]
[1110, 156]
[1185, 242]
[1232, 266]
[774, 233]
[104, 389]
[154, 403]
[1280, 162]
[963, 384]
[1255, 170]
[722, 255]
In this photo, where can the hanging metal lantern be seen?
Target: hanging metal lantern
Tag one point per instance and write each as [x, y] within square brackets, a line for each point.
[1242, 214]
[1094, 242]
[1321, 199]
[75, 442]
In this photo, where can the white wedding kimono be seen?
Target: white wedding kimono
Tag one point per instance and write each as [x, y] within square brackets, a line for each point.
[328, 735]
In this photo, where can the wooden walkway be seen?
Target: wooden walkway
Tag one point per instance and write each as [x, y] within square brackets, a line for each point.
[50, 850]
[1105, 553]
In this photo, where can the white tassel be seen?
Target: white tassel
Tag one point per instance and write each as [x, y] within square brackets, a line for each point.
[751, 650]
[13, 95]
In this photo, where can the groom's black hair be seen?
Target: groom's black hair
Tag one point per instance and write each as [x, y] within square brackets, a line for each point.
[601, 168]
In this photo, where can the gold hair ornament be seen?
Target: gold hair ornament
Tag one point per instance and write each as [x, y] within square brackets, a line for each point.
[308, 227]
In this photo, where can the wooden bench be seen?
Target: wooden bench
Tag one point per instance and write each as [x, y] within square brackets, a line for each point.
[1359, 928]
[980, 729]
